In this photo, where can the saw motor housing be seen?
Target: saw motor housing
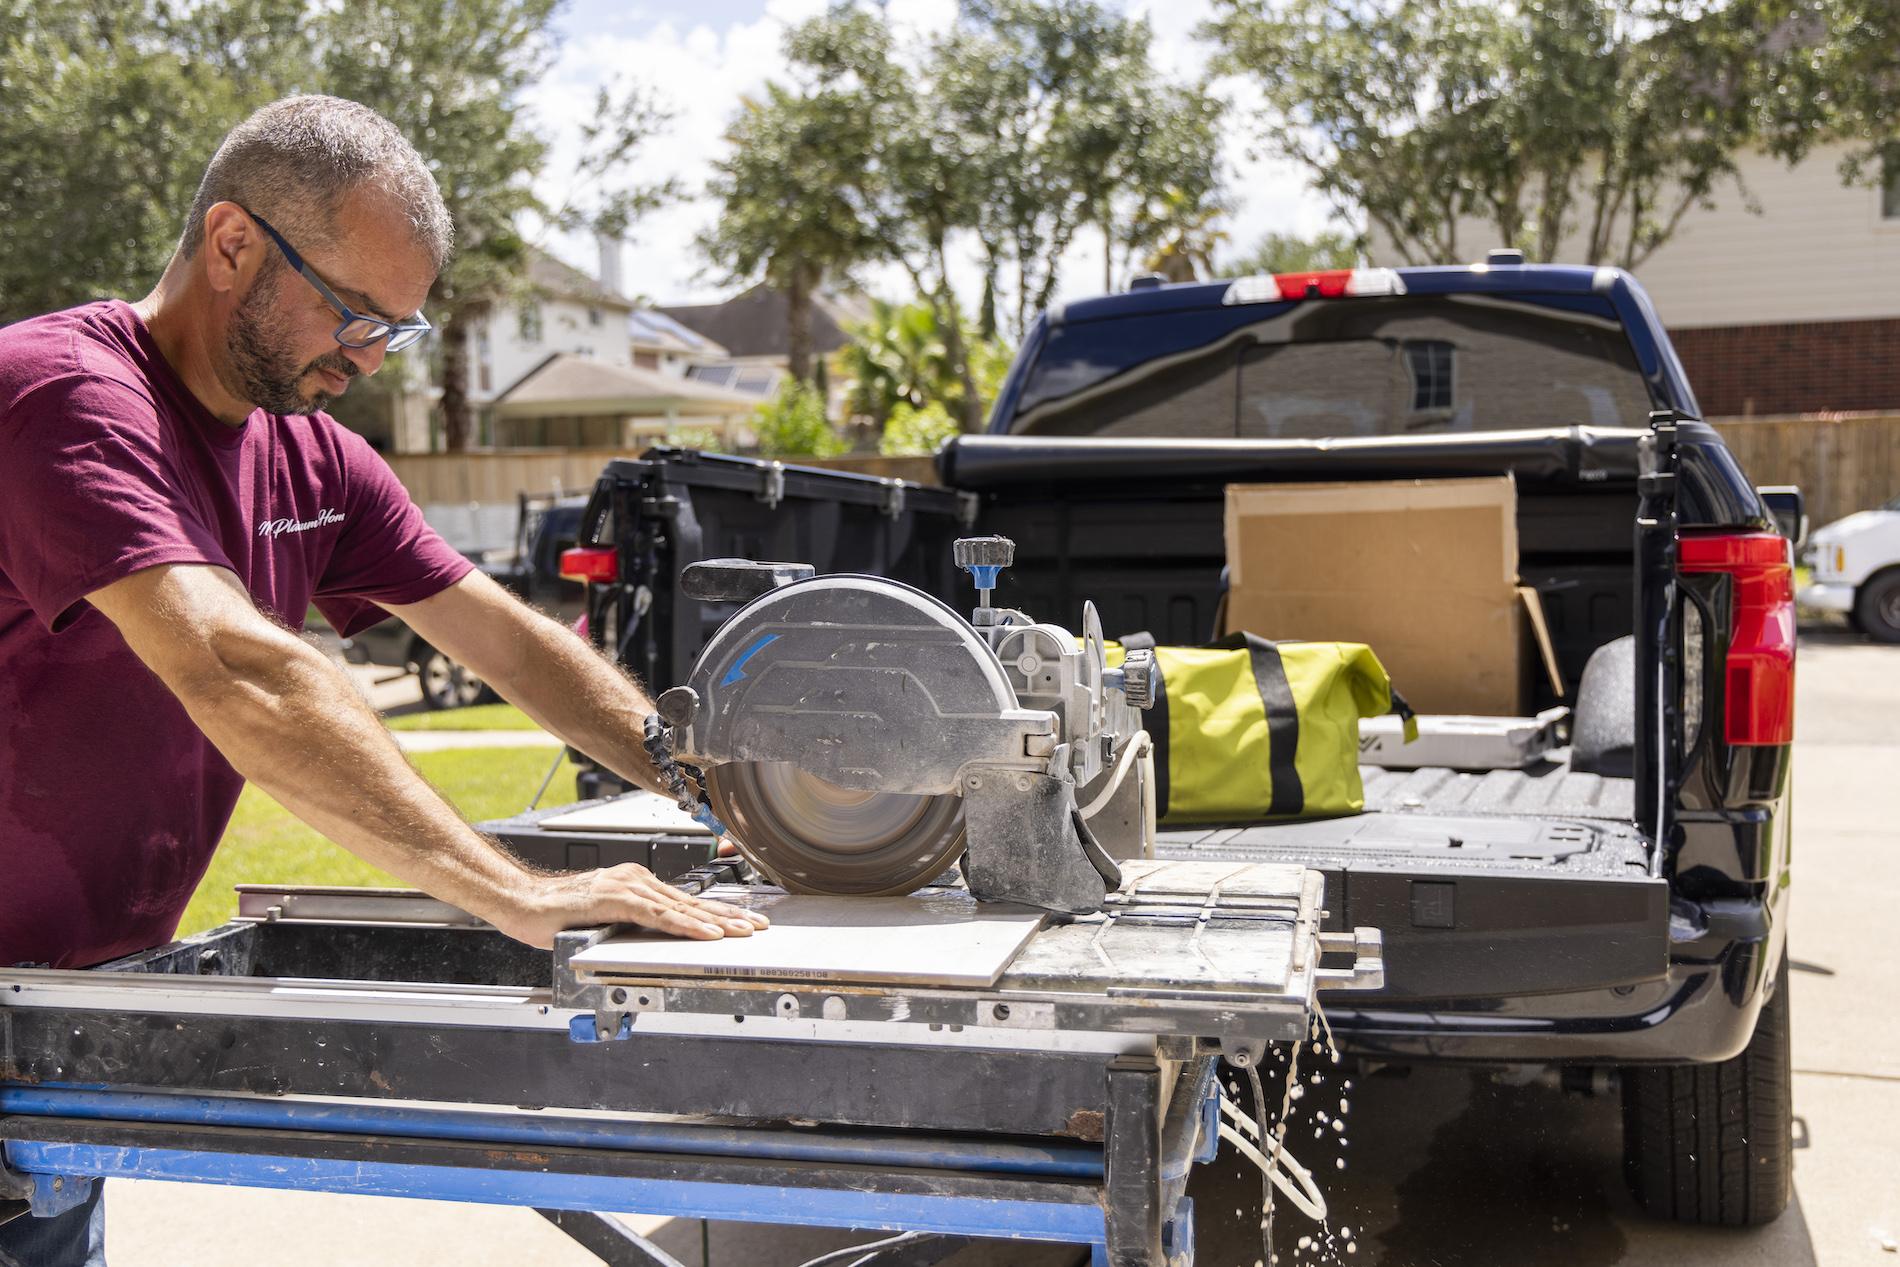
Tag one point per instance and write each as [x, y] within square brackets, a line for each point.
[872, 687]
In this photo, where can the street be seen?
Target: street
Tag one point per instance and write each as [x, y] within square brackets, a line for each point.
[1445, 1166]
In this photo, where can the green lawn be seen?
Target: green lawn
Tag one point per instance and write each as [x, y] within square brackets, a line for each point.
[480, 717]
[266, 845]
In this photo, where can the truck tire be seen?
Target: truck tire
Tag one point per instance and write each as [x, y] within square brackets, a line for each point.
[1877, 606]
[446, 684]
[1714, 1144]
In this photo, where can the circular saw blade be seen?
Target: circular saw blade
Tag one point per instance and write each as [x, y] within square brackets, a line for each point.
[812, 836]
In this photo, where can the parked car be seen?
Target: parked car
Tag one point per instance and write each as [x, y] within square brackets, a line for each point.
[1617, 915]
[531, 568]
[1855, 569]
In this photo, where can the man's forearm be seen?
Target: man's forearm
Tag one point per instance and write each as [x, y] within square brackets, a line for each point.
[291, 723]
[572, 691]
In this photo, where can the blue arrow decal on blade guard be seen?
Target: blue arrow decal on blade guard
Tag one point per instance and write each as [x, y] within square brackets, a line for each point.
[737, 671]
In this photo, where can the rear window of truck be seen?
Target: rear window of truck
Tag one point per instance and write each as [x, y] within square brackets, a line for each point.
[1402, 365]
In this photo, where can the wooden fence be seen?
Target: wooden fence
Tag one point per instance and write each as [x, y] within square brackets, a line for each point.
[490, 478]
[1841, 464]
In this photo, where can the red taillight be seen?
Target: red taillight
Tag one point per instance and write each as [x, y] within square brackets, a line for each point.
[590, 563]
[1327, 284]
[1330, 283]
[1759, 674]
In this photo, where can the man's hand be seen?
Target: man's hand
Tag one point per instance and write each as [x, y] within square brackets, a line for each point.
[627, 894]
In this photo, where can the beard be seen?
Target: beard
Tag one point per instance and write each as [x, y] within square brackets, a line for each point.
[263, 369]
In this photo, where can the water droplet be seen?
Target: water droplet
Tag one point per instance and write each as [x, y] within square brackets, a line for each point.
[1339, 1125]
[1317, 1049]
[1339, 1163]
[1352, 1247]
[1335, 1057]
[1296, 1093]
[1345, 1107]
[1347, 1085]
[1306, 1242]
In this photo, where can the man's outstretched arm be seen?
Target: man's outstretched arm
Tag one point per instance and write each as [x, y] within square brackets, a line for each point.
[291, 722]
[543, 668]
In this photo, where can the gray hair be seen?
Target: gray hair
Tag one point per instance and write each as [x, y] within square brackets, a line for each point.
[295, 161]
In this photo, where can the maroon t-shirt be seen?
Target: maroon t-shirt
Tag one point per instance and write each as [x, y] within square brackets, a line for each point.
[111, 800]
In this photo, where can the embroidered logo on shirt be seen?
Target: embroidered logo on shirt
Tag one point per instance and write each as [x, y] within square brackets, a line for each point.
[275, 528]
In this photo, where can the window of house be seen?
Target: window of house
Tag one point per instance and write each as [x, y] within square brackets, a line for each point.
[594, 317]
[1430, 363]
[528, 322]
[484, 360]
[1890, 183]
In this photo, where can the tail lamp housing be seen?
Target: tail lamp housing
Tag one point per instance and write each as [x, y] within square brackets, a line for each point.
[1758, 674]
[590, 563]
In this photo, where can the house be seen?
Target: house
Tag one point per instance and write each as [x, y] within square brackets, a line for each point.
[576, 363]
[657, 342]
[584, 402]
[564, 310]
[754, 330]
[1793, 310]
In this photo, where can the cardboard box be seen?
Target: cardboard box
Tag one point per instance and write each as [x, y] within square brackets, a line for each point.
[1422, 571]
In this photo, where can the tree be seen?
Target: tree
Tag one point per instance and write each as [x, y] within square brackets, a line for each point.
[793, 424]
[790, 203]
[1601, 122]
[112, 112]
[1069, 126]
[1185, 233]
[898, 358]
[1290, 253]
[907, 182]
[1840, 58]
[914, 432]
[450, 75]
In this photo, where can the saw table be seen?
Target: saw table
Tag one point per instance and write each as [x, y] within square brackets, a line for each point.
[1055, 1084]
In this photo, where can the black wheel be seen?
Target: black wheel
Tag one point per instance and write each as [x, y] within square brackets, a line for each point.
[1877, 606]
[446, 684]
[1715, 1143]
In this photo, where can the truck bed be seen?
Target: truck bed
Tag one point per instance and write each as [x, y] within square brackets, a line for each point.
[1546, 817]
[1460, 868]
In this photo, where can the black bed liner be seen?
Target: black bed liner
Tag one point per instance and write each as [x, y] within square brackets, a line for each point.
[1460, 869]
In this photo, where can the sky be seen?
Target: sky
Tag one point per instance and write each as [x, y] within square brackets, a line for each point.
[701, 56]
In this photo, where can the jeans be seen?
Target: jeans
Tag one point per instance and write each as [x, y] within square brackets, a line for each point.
[76, 1238]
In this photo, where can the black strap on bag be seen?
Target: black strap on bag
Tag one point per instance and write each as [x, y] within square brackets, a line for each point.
[1276, 698]
[1283, 718]
[1156, 720]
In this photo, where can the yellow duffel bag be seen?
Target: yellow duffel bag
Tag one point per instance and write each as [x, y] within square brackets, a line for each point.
[1246, 729]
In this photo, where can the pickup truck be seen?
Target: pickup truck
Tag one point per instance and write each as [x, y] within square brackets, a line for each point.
[544, 528]
[1854, 567]
[1618, 912]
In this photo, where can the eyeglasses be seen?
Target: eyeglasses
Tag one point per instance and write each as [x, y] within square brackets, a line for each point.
[357, 330]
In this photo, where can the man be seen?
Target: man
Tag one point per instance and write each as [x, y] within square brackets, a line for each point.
[172, 498]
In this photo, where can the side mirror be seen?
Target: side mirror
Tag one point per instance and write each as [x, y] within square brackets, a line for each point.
[1785, 503]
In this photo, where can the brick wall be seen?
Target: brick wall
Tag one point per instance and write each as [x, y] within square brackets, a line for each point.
[1805, 367]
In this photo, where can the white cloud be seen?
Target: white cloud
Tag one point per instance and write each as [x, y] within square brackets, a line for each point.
[701, 72]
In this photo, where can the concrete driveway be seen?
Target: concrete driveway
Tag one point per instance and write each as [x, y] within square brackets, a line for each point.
[1444, 1166]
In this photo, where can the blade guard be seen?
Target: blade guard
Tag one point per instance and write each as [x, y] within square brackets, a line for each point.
[872, 685]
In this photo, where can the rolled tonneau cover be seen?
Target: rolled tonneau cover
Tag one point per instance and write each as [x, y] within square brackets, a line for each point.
[1560, 454]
